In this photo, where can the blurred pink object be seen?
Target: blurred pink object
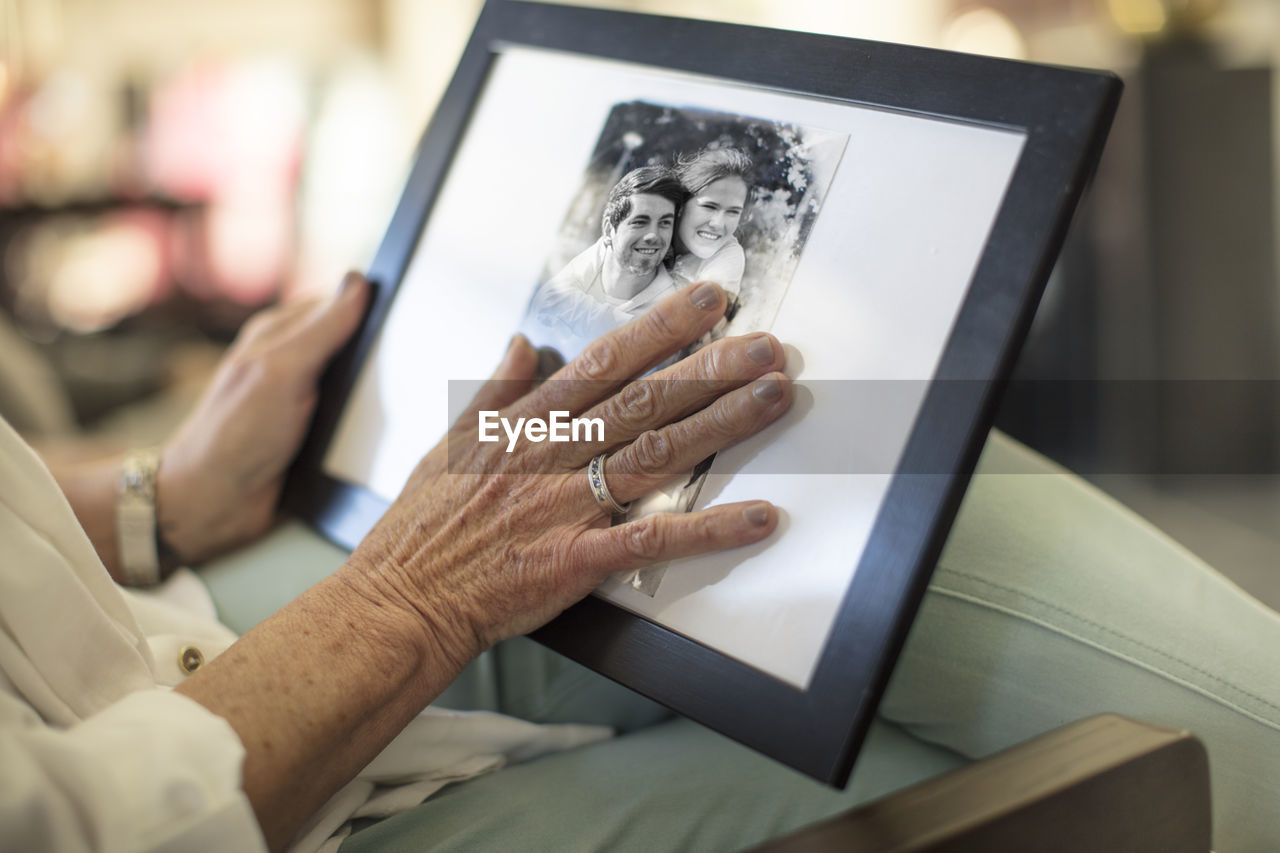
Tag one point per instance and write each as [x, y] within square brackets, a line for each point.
[231, 134]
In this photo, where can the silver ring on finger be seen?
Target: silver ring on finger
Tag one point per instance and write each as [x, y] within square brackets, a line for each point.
[600, 489]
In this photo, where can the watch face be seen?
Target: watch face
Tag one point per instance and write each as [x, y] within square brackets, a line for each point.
[136, 518]
[138, 476]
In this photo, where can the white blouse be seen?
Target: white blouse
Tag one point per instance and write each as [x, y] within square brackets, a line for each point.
[97, 753]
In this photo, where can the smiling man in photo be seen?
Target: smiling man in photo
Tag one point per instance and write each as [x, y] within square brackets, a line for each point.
[622, 274]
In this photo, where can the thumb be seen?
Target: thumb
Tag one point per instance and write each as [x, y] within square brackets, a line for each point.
[334, 320]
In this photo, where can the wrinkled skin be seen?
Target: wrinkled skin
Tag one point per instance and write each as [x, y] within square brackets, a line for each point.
[498, 552]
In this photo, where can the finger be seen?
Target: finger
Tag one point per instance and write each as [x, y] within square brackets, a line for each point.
[268, 324]
[287, 319]
[668, 536]
[629, 351]
[681, 389]
[324, 330]
[510, 381]
[658, 456]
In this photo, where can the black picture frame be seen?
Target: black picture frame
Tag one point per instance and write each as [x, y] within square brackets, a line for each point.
[1064, 114]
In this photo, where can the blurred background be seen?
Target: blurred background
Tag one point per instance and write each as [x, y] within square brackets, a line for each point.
[167, 169]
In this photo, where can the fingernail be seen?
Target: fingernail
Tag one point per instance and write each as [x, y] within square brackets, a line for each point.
[767, 390]
[705, 297]
[350, 284]
[757, 514]
[761, 350]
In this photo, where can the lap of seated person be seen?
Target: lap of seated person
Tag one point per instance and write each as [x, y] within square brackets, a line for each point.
[1050, 603]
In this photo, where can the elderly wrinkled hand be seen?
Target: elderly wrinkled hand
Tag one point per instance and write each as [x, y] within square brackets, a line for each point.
[220, 476]
[500, 542]
[490, 547]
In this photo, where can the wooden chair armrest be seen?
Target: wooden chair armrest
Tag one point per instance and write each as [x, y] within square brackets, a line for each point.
[1103, 783]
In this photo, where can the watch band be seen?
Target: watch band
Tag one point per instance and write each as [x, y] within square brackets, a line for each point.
[136, 518]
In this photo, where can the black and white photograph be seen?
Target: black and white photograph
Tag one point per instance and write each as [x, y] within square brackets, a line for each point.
[674, 195]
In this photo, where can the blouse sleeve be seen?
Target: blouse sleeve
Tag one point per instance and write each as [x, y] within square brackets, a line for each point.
[153, 771]
[93, 754]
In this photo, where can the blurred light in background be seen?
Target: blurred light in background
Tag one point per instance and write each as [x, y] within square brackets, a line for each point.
[231, 135]
[61, 137]
[1138, 17]
[1147, 17]
[98, 278]
[112, 109]
[358, 148]
[914, 22]
[984, 31]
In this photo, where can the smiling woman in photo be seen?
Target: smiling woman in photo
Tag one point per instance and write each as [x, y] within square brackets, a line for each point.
[718, 181]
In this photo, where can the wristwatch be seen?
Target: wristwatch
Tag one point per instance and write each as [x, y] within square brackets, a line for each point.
[136, 518]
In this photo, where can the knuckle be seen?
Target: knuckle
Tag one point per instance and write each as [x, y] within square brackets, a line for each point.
[654, 452]
[659, 325]
[704, 529]
[719, 421]
[639, 403]
[596, 362]
[713, 361]
[644, 539]
[243, 369]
